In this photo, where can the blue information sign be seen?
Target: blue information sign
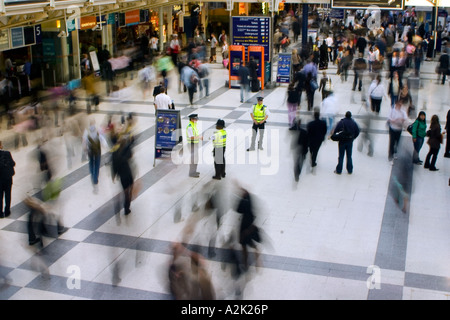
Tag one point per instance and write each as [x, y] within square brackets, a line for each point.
[252, 31]
[284, 68]
[167, 134]
[17, 39]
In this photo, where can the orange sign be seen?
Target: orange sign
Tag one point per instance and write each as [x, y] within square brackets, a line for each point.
[88, 22]
[132, 16]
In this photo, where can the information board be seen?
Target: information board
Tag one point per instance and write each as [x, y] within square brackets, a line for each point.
[17, 37]
[253, 31]
[284, 68]
[168, 132]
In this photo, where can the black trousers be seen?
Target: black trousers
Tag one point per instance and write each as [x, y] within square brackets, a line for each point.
[219, 162]
[5, 191]
[394, 140]
[430, 160]
[314, 150]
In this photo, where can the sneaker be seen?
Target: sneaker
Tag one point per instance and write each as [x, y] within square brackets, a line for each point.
[434, 169]
[194, 175]
[251, 149]
[216, 178]
[337, 172]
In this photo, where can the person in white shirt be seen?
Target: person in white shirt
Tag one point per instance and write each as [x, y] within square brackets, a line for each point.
[396, 121]
[162, 100]
[376, 93]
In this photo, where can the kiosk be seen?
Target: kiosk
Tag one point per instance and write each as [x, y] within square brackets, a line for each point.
[236, 55]
[257, 52]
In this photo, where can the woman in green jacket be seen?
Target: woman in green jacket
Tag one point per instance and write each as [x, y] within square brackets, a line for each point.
[419, 131]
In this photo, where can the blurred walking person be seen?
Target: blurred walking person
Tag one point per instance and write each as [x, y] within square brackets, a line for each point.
[249, 234]
[121, 167]
[299, 146]
[317, 130]
[7, 172]
[93, 141]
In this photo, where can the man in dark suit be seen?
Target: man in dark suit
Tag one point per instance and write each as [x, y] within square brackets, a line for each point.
[6, 173]
[317, 129]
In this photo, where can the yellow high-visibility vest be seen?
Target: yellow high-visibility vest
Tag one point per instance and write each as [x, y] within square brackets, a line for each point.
[259, 112]
[194, 131]
[220, 138]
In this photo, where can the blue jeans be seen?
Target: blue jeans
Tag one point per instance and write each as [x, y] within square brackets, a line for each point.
[94, 167]
[345, 147]
[244, 91]
[417, 146]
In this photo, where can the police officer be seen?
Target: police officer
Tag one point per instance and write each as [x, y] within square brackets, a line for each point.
[193, 137]
[259, 114]
[219, 142]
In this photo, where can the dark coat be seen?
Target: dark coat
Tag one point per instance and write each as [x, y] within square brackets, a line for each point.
[434, 136]
[350, 125]
[317, 129]
[244, 74]
[121, 167]
[6, 166]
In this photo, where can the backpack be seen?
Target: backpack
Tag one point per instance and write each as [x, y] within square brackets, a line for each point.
[94, 146]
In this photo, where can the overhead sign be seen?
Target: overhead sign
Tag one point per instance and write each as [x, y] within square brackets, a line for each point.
[17, 37]
[88, 22]
[252, 31]
[132, 17]
[361, 4]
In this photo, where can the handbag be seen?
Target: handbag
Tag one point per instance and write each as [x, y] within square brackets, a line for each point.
[313, 84]
[409, 128]
[342, 135]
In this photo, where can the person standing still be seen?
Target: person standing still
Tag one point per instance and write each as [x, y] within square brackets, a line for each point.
[214, 43]
[349, 126]
[419, 131]
[219, 142]
[396, 121]
[435, 137]
[194, 138]
[7, 172]
[259, 114]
